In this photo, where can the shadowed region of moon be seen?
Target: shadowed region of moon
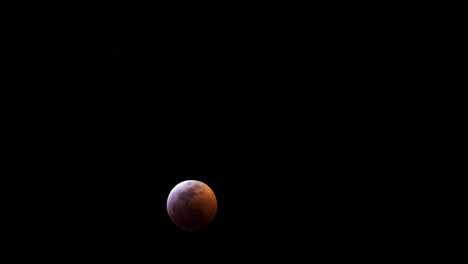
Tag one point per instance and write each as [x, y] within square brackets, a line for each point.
[191, 205]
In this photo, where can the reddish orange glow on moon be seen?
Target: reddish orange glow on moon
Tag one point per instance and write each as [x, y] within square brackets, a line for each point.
[191, 205]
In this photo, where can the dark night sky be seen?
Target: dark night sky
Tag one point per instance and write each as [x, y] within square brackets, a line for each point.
[276, 116]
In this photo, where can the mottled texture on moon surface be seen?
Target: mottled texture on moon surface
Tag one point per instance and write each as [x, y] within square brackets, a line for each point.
[191, 205]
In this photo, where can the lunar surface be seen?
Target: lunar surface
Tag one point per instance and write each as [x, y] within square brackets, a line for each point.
[191, 205]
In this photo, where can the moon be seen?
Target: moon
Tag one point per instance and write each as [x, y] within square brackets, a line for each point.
[191, 205]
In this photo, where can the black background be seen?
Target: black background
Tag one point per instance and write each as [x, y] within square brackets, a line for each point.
[276, 113]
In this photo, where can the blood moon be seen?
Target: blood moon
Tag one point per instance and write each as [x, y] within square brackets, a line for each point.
[191, 205]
